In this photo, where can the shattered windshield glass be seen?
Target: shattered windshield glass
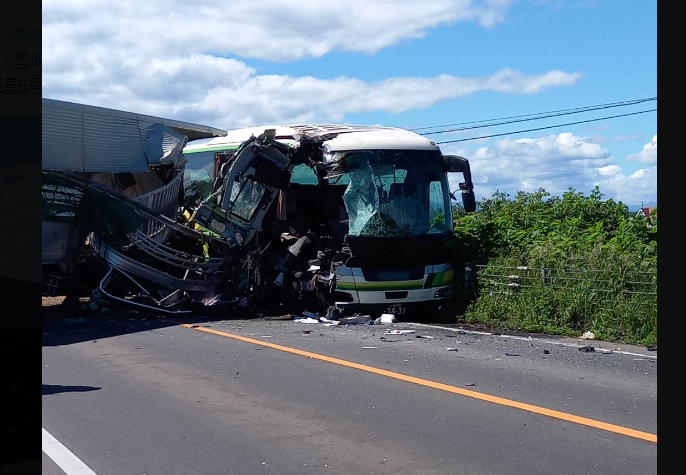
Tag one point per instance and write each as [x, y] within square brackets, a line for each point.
[396, 193]
[248, 200]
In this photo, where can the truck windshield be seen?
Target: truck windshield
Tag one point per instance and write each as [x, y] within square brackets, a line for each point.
[396, 193]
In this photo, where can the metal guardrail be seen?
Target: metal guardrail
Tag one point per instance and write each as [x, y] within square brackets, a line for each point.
[639, 286]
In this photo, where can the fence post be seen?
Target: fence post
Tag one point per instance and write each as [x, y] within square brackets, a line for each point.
[467, 276]
[544, 274]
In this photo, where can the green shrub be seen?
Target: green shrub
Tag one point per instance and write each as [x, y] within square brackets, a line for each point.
[600, 261]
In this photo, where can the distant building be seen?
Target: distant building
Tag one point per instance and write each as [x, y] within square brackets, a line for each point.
[646, 211]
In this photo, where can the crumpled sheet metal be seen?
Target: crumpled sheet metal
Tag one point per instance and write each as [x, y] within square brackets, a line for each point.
[89, 139]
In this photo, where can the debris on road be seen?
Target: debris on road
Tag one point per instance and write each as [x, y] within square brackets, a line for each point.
[333, 313]
[399, 332]
[511, 354]
[452, 349]
[652, 348]
[311, 319]
[588, 336]
[306, 320]
[329, 323]
[426, 337]
[546, 352]
[587, 349]
[385, 319]
[356, 320]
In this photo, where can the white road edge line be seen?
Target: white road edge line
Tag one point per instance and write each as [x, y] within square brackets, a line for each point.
[63, 457]
[524, 338]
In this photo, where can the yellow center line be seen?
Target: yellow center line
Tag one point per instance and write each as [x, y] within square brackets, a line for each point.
[443, 387]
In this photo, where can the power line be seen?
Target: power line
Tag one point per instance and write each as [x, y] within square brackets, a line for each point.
[583, 108]
[546, 128]
[493, 124]
[539, 116]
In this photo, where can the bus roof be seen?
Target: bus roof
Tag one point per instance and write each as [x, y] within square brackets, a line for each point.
[338, 138]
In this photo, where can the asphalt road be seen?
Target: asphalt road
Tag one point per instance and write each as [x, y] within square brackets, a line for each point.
[153, 397]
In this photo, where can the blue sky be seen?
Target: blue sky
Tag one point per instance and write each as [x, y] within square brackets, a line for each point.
[398, 62]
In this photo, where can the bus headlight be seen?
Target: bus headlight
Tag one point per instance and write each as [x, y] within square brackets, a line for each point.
[443, 293]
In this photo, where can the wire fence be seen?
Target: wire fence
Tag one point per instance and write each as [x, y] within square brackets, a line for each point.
[604, 288]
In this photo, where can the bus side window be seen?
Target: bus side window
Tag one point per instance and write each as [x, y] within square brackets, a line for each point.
[436, 207]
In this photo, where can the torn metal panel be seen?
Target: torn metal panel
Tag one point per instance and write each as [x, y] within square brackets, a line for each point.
[102, 294]
[120, 261]
[164, 145]
[163, 200]
[84, 138]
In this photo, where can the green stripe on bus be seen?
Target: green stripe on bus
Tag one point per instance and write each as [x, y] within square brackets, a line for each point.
[379, 286]
[440, 279]
[429, 281]
[218, 148]
[444, 278]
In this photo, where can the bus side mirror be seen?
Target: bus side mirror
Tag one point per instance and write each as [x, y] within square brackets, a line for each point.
[469, 201]
[457, 164]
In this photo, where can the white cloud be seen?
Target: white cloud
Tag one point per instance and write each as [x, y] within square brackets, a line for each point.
[555, 163]
[178, 59]
[227, 93]
[639, 186]
[267, 29]
[610, 170]
[648, 155]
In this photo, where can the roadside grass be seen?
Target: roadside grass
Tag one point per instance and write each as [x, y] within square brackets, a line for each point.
[561, 266]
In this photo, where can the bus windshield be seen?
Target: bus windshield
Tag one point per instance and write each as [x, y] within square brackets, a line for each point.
[396, 193]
